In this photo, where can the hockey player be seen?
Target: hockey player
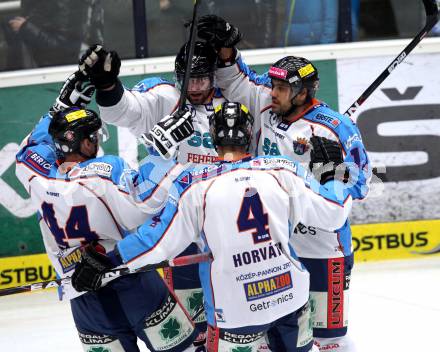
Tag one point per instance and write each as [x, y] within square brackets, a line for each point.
[141, 107]
[84, 199]
[290, 118]
[243, 211]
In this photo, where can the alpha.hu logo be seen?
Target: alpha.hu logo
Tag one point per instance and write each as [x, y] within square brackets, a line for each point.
[99, 349]
[170, 329]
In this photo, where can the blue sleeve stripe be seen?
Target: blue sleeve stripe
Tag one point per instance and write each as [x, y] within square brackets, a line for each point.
[259, 80]
[157, 187]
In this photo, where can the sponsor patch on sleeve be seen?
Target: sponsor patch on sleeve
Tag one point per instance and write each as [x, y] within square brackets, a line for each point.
[38, 162]
[327, 120]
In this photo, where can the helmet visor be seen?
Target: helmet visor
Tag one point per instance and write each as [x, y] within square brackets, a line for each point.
[197, 83]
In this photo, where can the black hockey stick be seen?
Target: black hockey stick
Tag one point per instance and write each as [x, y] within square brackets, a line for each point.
[180, 261]
[189, 56]
[432, 13]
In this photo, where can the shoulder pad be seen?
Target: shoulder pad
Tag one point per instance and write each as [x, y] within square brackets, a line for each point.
[149, 83]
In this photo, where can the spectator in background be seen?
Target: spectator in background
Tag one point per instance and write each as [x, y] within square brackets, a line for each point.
[257, 19]
[52, 32]
[321, 21]
[311, 22]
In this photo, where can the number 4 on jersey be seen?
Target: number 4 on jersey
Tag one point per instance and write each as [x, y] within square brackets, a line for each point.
[253, 217]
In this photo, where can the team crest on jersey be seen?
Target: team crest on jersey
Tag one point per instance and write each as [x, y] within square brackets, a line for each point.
[300, 146]
[219, 315]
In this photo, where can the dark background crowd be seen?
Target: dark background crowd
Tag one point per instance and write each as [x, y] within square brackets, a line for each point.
[40, 33]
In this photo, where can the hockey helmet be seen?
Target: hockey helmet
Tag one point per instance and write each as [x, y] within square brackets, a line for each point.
[203, 63]
[72, 125]
[231, 125]
[298, 72]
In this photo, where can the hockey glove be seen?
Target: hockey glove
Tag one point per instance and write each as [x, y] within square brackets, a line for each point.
[76, 91]
[169, 132]
[101, 67]
[325, 160]
[217, 31]
[88, 272]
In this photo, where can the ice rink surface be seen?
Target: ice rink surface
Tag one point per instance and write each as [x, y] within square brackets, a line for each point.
[395, 306]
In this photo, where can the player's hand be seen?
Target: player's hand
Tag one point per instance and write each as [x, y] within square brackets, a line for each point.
[216, 30]
[169, 132]
[100, 66]
[88, 272]
[325, 159]
[76, 91]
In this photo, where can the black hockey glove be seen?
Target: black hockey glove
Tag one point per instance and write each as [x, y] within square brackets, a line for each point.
[101, 67]
[169, 132]
[325, 160]
[76, 91]
[88, 272]
[217, 31]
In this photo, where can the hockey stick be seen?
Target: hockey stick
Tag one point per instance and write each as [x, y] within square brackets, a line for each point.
[432, 13]
[180, 261]
[190, 52]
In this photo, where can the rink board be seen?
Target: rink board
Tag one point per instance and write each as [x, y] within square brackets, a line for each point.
[400, 126]
[372, 242]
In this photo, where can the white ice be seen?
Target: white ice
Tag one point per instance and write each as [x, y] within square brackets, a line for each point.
[395, 306]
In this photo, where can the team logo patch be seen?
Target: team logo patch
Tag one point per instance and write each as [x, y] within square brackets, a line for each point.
[219, 315]
[69, 135]
[267, 287]
[300, 146]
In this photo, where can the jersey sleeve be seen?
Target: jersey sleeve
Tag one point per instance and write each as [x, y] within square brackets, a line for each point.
[166, 235]
[37, 154]
[356, 158]
[326, 207]
[239, 83]
[140, 108]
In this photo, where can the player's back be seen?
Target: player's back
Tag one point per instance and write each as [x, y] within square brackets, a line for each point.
[246, 226]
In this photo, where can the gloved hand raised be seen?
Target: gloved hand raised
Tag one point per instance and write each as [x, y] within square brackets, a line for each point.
[76, 91]
[169, 132]
[325, 157]
[88, 272]
[217, 31]
[100, 66]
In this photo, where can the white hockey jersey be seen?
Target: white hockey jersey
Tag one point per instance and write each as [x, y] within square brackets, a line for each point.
[95, 200]
[243, 213]
[149, 101]
[277, 137]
